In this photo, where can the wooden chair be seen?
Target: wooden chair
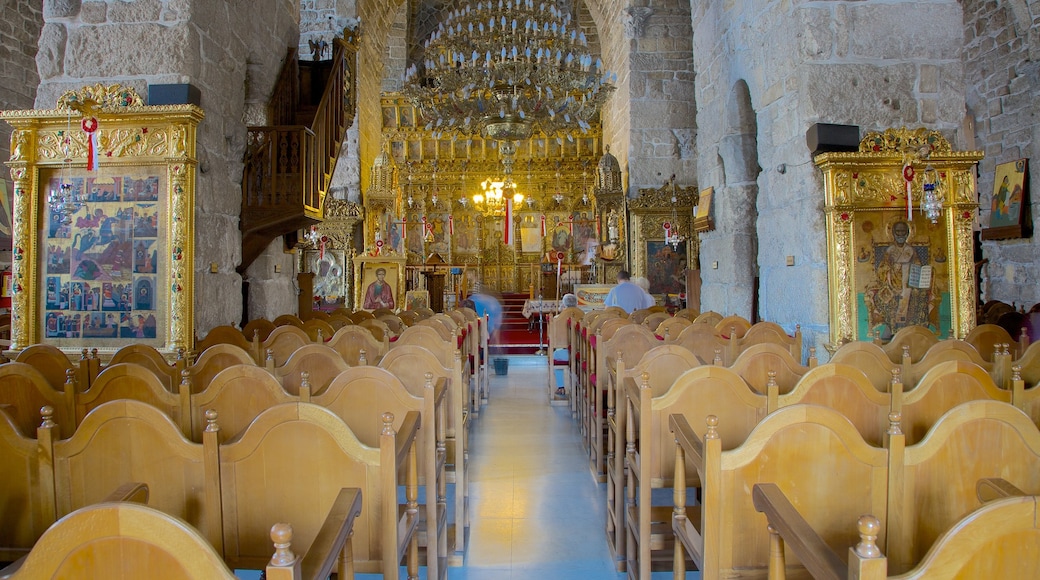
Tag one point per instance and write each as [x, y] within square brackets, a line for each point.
[28, 500]
[410, 364]
[408, 317]
[556, 336]
[237, 394]
[213, 360]
[358, 395]
[359, 315]
[24, 391]
[258, 330]
[768, 332]
[357, 346]
[442, 330]
[943, 387]
[431, 340]
[760, 363]
[126, 441]
[133, 381]
[655, 319]
[281, 343]
[382, 312]
[846, 390]
[306, 455]
[705, 342]
[690, 314]
[633, 341]
[321, 363]
[338, 321]
[1024, 396]
[394, 323]
[318, 330]
[123, 541]
[972, 441]
[650, 452]
[944, 351]
[288, 320]
[732, 326]
[53, 364]
[379, 329]
[226, 335]
[918, 338]
[709, 317]
[985, 338]
[672, 326]
[813, 455]
[149, 358]
[871, 360]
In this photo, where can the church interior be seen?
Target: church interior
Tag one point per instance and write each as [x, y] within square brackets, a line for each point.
[373, 249]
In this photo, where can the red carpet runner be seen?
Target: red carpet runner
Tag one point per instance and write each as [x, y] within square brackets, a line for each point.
[517, 335]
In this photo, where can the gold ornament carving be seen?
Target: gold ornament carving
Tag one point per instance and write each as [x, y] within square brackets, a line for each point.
[89, 100]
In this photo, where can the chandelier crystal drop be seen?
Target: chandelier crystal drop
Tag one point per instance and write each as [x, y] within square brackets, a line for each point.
[504, 69]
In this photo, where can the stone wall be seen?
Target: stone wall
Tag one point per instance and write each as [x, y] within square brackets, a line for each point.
[875, 65]
[1002, 70]
[227, 50]
[19, 29]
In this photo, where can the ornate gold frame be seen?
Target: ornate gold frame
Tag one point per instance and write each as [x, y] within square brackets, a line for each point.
[130, 135]
[871, 179]
[648, 214]
[363, 264]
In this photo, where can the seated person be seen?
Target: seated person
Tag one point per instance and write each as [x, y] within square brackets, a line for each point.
[628, 295]
[562, 355]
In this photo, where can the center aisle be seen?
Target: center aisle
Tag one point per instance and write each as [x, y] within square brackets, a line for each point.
[535, 511]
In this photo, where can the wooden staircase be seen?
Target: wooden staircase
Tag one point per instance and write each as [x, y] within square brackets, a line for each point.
[289, 164]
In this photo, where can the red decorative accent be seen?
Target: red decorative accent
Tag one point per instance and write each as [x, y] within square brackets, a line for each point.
[967, 215]
[908, 172]
[855, 175]
[845, 216]
[90, 125]
[144, 130]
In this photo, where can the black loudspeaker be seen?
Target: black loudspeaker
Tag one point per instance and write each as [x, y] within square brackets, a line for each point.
[182, 94]
[824, 137]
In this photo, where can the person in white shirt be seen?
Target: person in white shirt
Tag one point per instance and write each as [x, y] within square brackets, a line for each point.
[628, 295]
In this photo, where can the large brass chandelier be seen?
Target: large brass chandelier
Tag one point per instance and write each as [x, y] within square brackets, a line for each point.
[504, 69]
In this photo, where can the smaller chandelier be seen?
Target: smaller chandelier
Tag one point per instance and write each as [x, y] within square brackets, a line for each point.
[931, 203]
[495, 194]
[672, 232]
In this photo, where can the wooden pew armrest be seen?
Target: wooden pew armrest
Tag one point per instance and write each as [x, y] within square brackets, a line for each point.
[323, 555]
[133, 492]
[406, 435]
[812, 551]
[992, 488]
[688, 439]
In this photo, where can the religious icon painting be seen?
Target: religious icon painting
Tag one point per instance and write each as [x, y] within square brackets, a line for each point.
[144, 256]
[1010, 215]
[144, 293]
[146, 221]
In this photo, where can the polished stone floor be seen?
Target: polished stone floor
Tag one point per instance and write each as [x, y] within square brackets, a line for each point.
[536, 511]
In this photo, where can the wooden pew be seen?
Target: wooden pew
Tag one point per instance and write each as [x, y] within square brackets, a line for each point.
[357, 346]
[213, 360]
[947, 350]
[127, 441]
[305, 455]
[998, 540]
[672, 327]
[281, 343]
[122, 541]
[935, 490]
[760, 363]
[942, 388]
[358, 395]
[556, 336]
[695, 394]
[237, 394]
[54, 365]
[985, 337]
[258, 330]
[410, 364]
[24, 391]
[705, 342]
[231, 336]
[732, 326]
[813, 454]
[321, 363]
[133, 381]
[26, 491]
[871, 360]
[767, 333]
[846, 390]
[918, 338]
[630, 342]
[318, 330]
[709, 317]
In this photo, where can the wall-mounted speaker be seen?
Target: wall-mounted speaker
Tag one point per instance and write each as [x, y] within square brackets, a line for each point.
[825, 137]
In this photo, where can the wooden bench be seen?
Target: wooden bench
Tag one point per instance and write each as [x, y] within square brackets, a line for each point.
[767, 333]
[813, 454]
[918, 338]
[943, 387]
[761, 363]
[695, 394]
[24, 391]
[28, 498]
[213, 360]
[231, 336]
[321, 363]
[846, 390]
[357, 346]
[53, 364]
[557, 337]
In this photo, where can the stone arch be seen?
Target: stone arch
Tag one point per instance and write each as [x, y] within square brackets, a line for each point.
[738, 149]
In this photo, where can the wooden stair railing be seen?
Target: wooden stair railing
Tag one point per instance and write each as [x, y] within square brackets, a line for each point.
[289, 164]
